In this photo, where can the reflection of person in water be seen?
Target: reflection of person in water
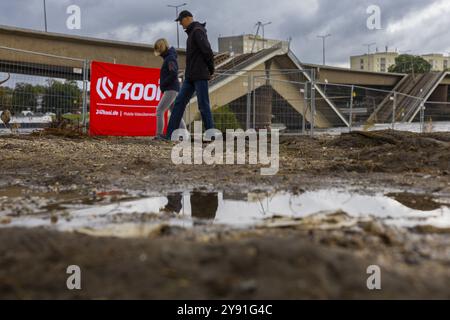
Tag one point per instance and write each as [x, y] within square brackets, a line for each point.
[204, 205]
[174, 203]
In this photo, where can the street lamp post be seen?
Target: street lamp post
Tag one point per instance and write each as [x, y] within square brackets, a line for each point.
[176, 14]
[45, 16]
[323, 37]
[263, 34]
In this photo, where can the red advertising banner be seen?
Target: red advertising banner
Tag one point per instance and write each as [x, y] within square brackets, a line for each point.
[123, 100]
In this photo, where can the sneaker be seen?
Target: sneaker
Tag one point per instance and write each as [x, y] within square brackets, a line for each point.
[161, 137]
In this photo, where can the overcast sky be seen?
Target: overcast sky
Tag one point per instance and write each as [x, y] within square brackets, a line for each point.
[418, 25]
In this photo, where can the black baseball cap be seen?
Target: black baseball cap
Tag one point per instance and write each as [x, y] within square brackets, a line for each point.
[183, 14]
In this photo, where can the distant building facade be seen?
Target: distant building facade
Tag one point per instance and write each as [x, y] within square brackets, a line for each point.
[381, 61]
[375, 62]
[244, 43]
[438, 61]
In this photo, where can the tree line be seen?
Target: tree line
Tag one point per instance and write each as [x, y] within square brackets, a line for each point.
[55, 96]
[406, 63]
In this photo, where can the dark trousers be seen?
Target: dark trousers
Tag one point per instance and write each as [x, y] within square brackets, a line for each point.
[188, 88]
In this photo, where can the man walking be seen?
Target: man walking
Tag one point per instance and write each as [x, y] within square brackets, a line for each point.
[199, 69]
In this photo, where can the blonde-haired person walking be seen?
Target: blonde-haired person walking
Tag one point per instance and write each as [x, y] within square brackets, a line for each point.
[169, 84]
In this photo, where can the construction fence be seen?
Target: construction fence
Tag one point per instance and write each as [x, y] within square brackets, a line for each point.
[289, 100]
[38, 93]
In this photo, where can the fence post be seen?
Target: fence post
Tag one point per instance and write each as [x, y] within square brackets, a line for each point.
[249, 101]
[305, 106]
[254, 84]
[422, 117]
[394, 110]
[313, 100]
[350, 120]
[85, 89]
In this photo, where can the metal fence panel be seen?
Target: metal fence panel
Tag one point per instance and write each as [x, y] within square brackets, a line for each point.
[43, 92]
[436, 116]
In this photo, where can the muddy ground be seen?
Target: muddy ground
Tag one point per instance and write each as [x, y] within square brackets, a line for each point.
[289, 261]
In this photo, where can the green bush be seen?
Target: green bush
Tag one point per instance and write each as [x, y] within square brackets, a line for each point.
[225, 118]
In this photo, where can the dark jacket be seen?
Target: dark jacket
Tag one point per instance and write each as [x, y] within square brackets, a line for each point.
[169, 71]
[199, 55]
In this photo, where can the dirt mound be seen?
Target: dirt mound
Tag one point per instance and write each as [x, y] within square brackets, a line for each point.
[416, 156]
[362, 139]
[393, 151]
[71, 133]
[62, 128]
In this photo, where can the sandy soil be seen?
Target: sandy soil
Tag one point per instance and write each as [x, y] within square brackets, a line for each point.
[294, 261]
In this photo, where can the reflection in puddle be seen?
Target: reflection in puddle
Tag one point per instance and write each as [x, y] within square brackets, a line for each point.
[140, 217]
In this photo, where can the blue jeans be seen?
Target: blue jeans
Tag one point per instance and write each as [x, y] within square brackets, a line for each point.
[187, 91]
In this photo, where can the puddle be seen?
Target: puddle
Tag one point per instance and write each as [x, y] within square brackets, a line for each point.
[127, 215]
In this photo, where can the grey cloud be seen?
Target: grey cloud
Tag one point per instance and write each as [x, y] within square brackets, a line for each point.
[303, 20]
